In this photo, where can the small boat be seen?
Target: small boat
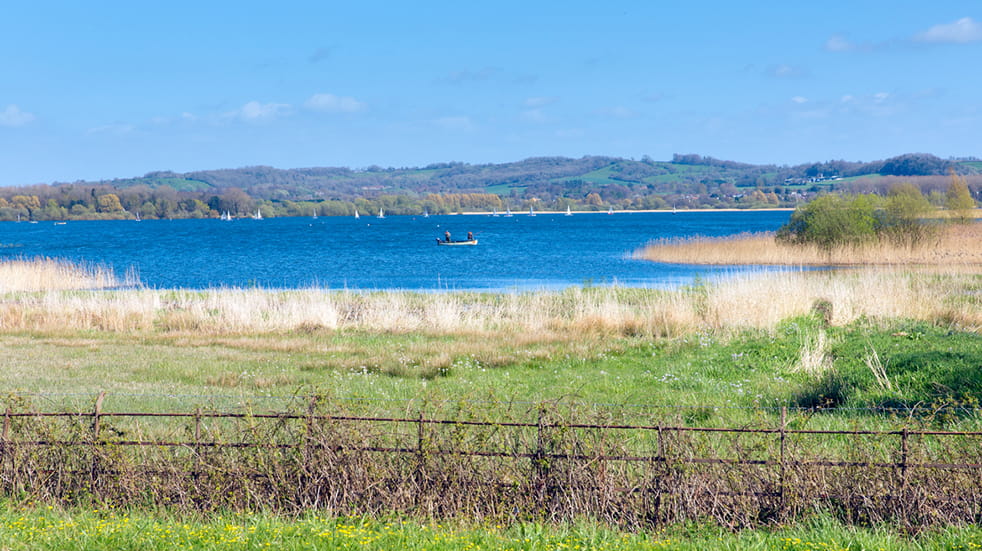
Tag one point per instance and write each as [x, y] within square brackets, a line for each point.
[508, 212]
[381, 214]
[610, 210]
[138, 219]
[531, 212]
[495, 213]
[226, 216]
[426, 213]
[258, 215]
[568, 212]
[443, 243]
[674, 210]
[356, 214]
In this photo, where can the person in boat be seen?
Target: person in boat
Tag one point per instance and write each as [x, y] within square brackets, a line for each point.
[446, 235]
[470, 236]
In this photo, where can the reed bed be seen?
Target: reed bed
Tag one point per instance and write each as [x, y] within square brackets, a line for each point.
[43, 274]
[725, 306]
[957, 245]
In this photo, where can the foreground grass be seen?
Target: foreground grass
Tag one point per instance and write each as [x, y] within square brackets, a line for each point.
[77, 529]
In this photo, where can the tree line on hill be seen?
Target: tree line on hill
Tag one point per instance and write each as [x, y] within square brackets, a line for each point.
[544, 183]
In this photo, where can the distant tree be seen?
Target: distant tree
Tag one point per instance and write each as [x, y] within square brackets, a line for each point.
[831, 222]
[959, 200]
[109, 203]
[902, 218]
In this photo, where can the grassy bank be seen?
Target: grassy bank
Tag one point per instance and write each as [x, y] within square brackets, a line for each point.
[41, 528]
[955, 246]
[770, 335]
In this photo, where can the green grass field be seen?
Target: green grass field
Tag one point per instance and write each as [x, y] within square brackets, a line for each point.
[712, 372]
[38, 528]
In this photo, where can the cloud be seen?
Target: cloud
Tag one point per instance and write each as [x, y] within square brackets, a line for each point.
[963, 31]
[459, 123]
[13, 116]
[534, 115]
[799, 100]
[839, 43]
[785, 71]
[255, 111]
[618, 112]
[329, 103]
[542, 101]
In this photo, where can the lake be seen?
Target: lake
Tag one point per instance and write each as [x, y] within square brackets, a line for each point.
[522, 252]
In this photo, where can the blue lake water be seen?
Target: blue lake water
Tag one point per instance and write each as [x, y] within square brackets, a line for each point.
[547, 251]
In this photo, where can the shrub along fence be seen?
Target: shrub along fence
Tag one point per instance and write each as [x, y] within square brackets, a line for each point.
[551, 467]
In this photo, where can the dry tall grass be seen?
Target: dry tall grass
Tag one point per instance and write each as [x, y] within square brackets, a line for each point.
[957, 245]
[753, 300]
[42, 274]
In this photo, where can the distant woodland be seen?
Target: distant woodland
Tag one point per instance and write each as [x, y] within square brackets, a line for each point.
[544, 183]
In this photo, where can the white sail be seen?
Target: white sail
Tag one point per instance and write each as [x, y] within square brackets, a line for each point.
[356, 214]
[568, 212]
[381, 214]
[531, 212]
[610, 210]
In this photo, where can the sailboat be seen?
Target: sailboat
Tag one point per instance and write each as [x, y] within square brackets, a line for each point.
[508, 211]
[531, 212]
[356, 214]
[381, 214]
[610, 210]
[568, 212]
[495, 213]
[226, 216]
[426, 213]
[258, 215]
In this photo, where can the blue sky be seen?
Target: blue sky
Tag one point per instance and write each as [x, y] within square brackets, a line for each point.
[106, 89]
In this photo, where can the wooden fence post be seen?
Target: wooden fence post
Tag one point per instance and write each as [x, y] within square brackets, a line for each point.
[309, 433]
[784, 426]
[903, 465]
[6, 456]
[539, 464]
[420, 472]
[96, 427]
[95, 416]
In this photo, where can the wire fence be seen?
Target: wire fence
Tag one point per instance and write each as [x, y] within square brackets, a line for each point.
[555, 465]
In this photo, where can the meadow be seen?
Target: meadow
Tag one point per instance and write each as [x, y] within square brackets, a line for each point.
[716, 353]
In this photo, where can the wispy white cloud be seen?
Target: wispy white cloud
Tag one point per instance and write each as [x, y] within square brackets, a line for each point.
[963, 31]
[534, 115]
[12, 116]
[841, 43]
[467, 75]
[618, 112]
[799, 100]
[785, 71]
[329, 103]
[255, 111]
[540, 101]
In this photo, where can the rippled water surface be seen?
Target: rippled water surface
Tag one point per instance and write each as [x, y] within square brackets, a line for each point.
[547, 251]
